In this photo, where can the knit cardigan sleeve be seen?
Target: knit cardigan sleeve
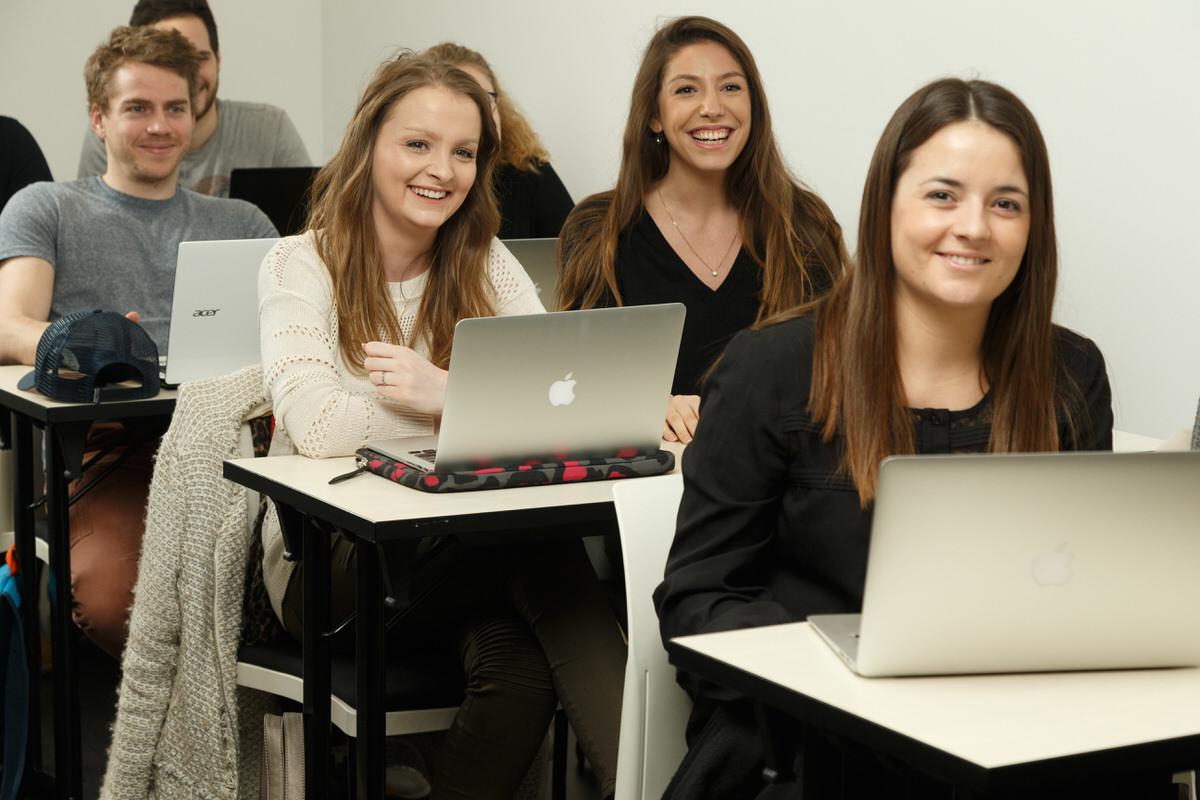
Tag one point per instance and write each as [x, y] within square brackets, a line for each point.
[176, 731]
[149, 662]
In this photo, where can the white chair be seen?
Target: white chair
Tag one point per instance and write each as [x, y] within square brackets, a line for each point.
[1126, 442]
[654, 710]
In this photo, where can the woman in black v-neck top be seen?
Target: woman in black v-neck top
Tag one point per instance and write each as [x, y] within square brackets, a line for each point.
[649, 271]
[704, 211]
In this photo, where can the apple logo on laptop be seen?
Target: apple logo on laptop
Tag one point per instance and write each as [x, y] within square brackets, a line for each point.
[1053, 569]
[562, 393]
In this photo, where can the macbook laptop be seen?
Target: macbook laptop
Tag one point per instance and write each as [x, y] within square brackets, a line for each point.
[281, 193]
[214, 313]
[550, 387]
[539, 258]
[1024, 563]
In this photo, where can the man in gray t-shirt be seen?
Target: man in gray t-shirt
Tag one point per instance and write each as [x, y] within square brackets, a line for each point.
[111, 242]
[229, 133]
[116, 251]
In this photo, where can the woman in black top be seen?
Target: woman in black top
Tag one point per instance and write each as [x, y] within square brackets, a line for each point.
[939, 340]
[704, 211]
[533, 201]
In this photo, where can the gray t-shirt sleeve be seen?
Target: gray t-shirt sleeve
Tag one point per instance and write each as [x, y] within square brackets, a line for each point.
[289, 147]
[29, 225]
[93, 158]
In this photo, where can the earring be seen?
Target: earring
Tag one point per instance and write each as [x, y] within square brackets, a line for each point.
[658, 138]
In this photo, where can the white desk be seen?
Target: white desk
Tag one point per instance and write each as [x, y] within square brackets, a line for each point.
[373, 511]
[988, 732]
[66, 426]
[376, 509]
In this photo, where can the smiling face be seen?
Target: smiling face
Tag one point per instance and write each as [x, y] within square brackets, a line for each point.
[960, 218]
[194, 31]
[703, 108]
[146, 128]
[423, 161]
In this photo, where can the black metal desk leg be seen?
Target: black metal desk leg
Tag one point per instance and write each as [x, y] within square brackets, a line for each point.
[316, 651]
[67, 768]
[369, 657]
[23, 527]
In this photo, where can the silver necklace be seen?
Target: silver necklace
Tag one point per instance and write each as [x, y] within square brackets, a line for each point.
[682, 235]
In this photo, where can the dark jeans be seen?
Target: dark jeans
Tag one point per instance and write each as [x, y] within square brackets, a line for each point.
[533, 627]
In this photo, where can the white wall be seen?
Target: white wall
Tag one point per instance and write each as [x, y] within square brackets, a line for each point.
[271, 50]
[1112, 83]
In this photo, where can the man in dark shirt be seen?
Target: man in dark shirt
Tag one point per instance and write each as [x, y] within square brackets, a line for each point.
[21, 160]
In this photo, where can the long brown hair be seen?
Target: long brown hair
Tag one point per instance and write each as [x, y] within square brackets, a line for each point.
[786, 228]
[857, 389]
[520, 147]
[342, 223]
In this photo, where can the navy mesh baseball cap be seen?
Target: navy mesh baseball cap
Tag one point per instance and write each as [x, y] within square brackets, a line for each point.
[93, 356]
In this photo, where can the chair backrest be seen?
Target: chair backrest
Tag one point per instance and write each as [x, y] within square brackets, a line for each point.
[654, 709]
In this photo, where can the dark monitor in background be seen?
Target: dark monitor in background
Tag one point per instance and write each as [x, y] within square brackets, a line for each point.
[281, 193]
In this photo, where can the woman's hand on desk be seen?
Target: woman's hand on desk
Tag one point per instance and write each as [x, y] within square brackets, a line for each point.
[683, 413]
[400, 374]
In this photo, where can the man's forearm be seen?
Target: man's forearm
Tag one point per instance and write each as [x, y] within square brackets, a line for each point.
[19, 337]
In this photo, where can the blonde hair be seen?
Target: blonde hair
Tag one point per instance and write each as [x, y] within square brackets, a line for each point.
[342, 223]
[520, 147]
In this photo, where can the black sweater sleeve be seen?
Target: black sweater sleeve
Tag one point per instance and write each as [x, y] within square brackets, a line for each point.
[734, 475]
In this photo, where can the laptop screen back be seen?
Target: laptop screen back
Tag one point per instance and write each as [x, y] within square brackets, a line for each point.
[214, 312]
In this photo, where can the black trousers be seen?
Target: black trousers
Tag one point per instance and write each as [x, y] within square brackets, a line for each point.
[532, 628]
[726, 757]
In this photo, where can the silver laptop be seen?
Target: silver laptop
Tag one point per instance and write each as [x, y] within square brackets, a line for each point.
[539, 258]
[214, 313]
[548, 387]
[1026, 563]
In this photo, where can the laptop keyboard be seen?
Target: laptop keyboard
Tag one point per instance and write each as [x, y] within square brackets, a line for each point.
[429, 454]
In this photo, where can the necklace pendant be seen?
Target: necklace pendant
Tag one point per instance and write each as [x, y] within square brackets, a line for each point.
[714, 272]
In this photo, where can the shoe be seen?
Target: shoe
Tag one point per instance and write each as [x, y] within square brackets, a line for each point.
[407, 776]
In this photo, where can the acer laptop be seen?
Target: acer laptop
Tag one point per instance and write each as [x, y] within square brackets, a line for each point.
[550, 387]
[539, 257]
[280, 192]
[1028, 563]
[214, 312]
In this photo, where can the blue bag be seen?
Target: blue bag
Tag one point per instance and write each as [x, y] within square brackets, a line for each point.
[14, 677]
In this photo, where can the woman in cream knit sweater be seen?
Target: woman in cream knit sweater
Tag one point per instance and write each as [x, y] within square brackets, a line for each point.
[356, 322]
